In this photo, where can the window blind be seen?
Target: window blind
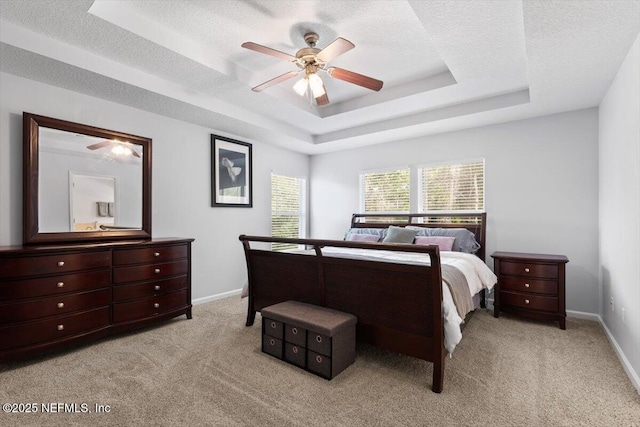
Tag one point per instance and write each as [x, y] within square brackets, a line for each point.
[452, 188]
[386, 191]
[287, 209]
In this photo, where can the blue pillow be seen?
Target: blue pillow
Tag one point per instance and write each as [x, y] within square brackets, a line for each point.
[399, 235]
[380, 232]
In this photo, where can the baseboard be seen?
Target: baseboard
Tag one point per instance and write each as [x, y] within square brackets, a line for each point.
[216, 297]
[584, 315]
[633, 375]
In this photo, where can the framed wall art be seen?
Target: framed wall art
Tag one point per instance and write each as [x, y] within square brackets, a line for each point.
[231, 173]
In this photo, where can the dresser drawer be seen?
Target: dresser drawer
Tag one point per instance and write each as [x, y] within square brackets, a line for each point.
[148, 307]
[53, 328]
[527, 269]
[149, 271]
[52, 264]
[149, 255]
[523, 284]
[53, 285]
[530, 302]
[149, 289]
[43, 307]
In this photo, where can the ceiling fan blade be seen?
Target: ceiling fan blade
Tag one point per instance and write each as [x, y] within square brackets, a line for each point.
[134, 153]
[268, 51]
[275, 80]
[322, 99]
[355, 78]
[99, 145]
[335, 49]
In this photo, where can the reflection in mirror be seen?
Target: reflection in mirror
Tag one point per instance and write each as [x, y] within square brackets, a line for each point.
[93, 202]
[78, 183]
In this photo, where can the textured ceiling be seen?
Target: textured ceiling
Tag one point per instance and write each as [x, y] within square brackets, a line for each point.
[446, 64]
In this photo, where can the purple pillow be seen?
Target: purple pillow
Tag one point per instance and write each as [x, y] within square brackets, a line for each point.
[363, 237]
[444, 243]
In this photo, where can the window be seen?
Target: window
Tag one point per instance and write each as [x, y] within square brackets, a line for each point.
[288, 200]
[457, 187]
[385, 191]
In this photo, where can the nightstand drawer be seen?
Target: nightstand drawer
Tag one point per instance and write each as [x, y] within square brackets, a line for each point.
[530, 302]
[528, 269]
[522, 284]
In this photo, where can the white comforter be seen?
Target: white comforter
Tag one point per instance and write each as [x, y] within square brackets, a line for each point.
[478, 276]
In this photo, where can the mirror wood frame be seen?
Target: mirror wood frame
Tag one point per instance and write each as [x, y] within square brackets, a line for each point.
[31, 124]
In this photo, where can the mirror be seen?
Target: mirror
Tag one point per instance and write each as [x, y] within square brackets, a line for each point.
[83, 183]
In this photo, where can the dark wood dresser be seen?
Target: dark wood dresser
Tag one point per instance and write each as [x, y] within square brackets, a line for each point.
[57, 295]
[531, 285]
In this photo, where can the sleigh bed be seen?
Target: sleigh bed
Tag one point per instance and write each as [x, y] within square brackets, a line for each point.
[399, 304]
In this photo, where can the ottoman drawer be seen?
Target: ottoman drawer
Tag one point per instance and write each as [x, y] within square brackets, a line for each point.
[272, 328]
[295, 354]
[319, 343]
[272, 346]
[295, 335]
[319, 364]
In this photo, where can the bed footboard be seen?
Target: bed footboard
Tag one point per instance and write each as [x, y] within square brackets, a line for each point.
[398, 306]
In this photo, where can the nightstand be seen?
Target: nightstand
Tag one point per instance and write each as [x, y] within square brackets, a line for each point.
[530, 285]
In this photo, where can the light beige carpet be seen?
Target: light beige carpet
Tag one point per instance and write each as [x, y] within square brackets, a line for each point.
[210, 371]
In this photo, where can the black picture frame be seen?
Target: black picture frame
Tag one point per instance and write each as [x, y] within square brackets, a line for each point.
[231, 173]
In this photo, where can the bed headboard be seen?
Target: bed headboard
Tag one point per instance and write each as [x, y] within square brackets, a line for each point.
[474, 222]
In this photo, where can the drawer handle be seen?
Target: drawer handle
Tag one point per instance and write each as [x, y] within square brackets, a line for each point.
[60, 263]
[273, 325]
[60, 305]
[61, 284]
[319, 359]
[156, 287]
[294, 331]
[61, 327]
[526, 285]
[157, 270]
[272, 341]
[156, 254]
[318, 338]
[526, 270]
[526, 301]
[156, 305]
[295, 350]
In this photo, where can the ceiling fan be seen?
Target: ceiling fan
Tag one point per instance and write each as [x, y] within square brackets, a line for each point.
[311, 60]
[117, 147]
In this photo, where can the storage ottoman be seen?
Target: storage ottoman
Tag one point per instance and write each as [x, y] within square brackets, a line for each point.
[318, 339]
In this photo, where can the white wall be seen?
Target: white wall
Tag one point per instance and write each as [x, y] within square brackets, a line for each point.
[620, 207]
[541, 188]
[181, 180]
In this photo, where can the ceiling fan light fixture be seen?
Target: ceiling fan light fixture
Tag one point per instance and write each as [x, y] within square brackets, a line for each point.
[317, 87]
[301, 86]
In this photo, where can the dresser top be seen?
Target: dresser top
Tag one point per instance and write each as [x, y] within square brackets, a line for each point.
[521, 256]
[93, 245]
